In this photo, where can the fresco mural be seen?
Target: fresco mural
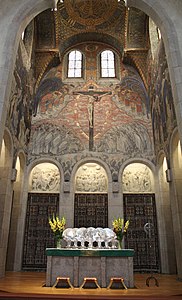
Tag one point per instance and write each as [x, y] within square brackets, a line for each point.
[110, 120]
[162, 107]
[20, 111]
[48, 139]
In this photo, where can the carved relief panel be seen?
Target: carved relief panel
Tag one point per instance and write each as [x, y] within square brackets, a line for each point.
[91, 178]
[45, 178]
[137, 178]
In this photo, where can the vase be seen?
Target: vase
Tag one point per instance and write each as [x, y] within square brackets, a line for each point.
[58, 243]
[119, 243]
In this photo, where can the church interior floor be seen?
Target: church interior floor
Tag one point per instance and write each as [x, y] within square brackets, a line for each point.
[30, 285]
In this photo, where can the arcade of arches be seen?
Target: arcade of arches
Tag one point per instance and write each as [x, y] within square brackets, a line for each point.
[91, 118]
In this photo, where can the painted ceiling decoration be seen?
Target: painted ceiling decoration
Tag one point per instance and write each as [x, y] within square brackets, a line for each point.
[77, 21]
[120, 125]
[90, 13]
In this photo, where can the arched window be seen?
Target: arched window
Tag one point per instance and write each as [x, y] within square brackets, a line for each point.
[108, 64]
[75, 64]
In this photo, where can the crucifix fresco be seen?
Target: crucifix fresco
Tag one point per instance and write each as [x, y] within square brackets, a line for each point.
[93, 96]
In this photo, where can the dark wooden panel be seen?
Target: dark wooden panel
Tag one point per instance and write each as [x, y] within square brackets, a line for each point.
[91, 210]
[38, 235]
[140, 209]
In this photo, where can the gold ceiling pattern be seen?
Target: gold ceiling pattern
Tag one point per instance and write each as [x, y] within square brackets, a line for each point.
[90, 13]
[101, 16]
[105, 21]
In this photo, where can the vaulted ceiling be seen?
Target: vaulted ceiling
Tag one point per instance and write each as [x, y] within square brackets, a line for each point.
[105, 21]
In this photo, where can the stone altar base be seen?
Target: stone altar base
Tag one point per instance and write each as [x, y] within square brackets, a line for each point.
[78, 264]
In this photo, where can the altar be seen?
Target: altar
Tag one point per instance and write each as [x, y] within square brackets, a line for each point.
[78, 264]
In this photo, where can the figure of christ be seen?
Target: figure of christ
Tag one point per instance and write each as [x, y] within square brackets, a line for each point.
[93, 96]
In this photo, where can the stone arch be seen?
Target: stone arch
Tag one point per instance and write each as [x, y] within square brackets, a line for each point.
[131, 161]
[91, 160]
[16, 224]
[42, 160]
[147, 186]
[166, 234]
[142, 178]
[144, 161]
[175, 152]
[28, 172]
[17, 264]
[6, 192]
[40, 197]
[90, 36]
[110, 187]
[6, 153]
[175, 194]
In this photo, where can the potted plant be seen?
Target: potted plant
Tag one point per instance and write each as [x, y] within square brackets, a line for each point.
[120, 229]
[58, 226]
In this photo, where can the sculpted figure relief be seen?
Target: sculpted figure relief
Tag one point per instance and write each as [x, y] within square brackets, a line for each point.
[137, 181]
[47, 180]
[91, 181]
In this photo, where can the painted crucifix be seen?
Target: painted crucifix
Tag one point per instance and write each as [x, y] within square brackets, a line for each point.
[93, 96]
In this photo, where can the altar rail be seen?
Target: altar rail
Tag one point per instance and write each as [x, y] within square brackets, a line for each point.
[78, 264]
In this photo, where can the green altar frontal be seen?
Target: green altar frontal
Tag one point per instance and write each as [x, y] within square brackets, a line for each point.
[78, 264]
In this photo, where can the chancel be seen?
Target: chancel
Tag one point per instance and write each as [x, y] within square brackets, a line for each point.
[91, 133]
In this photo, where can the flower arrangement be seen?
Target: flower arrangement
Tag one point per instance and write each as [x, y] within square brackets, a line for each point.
[120, 229]
[58, 226]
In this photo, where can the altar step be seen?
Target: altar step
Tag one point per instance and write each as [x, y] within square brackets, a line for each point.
[29, 286]
[87, 296]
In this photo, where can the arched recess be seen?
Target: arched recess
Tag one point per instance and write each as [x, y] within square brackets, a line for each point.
[6, 160]
[176, 196]
[165, 223]
[113, 200]
[140, 208]
[42, 203]
[91, 196]
[90, 37]
[13, 262]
